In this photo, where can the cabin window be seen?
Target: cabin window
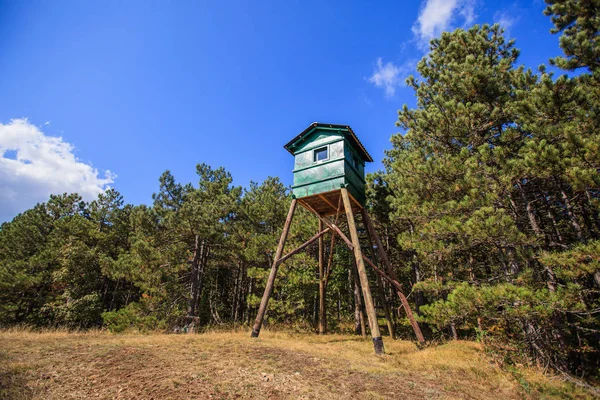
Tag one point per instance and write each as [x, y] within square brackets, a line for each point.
[355, 161]
[320, 154]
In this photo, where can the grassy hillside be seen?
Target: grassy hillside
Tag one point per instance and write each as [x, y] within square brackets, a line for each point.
[60, 365]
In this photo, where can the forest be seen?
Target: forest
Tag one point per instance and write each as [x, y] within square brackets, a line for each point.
[488, 206]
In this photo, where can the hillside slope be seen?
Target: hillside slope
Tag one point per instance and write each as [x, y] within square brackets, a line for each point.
[60, 365]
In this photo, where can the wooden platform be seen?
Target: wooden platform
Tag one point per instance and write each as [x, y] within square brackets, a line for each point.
[328, 203]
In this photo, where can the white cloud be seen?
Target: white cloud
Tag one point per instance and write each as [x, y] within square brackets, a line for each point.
[506, 21]
[437, 16]
[33, 166]
[388, 76]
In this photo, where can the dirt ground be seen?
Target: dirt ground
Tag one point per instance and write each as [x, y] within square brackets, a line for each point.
[231, 365]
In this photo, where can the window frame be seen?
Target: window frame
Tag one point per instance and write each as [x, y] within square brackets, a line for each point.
[326, 148]
[355, 162]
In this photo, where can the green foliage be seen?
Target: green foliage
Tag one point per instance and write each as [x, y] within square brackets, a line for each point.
[494, 193]
[579, 23]
[131, 317]
[524, 318]
[488, 208]
[578, 262]
[54, 271]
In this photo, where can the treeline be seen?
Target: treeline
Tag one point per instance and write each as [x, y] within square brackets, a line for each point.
[488, 208]
[198, 255]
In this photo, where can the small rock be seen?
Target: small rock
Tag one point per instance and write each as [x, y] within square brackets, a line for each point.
[267, 377]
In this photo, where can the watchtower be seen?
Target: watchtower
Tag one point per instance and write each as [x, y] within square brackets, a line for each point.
[326, 158]
[329, 179]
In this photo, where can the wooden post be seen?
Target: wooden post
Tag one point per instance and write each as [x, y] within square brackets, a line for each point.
[386, 261]
[270, 282]
[362, 274]
[322, 308]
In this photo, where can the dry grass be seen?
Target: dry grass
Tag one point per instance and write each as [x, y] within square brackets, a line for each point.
[62, 365]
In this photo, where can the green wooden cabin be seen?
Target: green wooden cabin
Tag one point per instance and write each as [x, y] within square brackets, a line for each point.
[327, 158]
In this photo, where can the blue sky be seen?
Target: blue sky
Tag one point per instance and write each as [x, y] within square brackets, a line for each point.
[116, 92]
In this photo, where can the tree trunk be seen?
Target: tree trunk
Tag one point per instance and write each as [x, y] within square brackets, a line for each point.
[480, 328]
[202, 269]
[322, 287]
[453, 330]
[572, 217]
[532, 220]
[214, 312]
[514, 266]
[249, 291]
[550, 278]
[195, 276]
[587, 214]
[242, 293]
[339, 307]
[236, 290]
[514, 209]
[503, 261]
[359, 316]
[594, 212]
[559, 238]
[597, 279]
[315, 316]
[530, 213]
[419, 295]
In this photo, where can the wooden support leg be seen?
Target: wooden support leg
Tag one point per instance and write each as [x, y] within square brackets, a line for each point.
[362, 274]
[322, 308]
[269, 287]
[392, 274]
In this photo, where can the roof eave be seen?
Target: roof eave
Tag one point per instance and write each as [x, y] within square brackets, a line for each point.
[314, 125]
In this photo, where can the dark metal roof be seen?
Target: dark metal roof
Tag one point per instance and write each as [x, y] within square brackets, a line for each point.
[351, 136]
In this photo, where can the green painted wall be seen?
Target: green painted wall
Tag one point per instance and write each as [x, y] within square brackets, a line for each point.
[304, 158]
[312, 177]
[355, 177]
[318, 138]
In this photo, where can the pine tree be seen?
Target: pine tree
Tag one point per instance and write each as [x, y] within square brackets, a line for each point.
[579, 24]
[494, 185]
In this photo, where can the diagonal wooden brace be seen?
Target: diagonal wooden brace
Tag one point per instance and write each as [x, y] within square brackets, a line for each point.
[329, 224]
[302, 246]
